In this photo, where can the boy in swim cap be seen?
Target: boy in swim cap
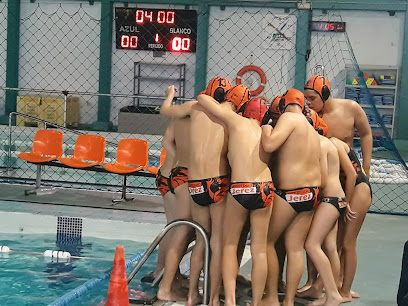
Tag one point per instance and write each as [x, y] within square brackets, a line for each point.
[208, 184]
[343, 117]
[250, 192]
[333, 204]
[297, 169]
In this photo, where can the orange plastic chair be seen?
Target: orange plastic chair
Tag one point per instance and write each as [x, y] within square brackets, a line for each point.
[154, 169]
[89, 151]
[47, 146]
[132, 155]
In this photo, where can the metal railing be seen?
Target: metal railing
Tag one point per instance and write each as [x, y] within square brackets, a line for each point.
[159, 237]
[97, 94]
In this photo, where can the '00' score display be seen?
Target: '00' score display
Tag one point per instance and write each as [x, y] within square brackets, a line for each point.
[156, 29]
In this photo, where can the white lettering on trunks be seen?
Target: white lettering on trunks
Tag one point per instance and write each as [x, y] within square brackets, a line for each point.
[299, 197]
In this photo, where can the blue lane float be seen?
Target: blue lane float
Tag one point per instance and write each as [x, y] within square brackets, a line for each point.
[79, 291]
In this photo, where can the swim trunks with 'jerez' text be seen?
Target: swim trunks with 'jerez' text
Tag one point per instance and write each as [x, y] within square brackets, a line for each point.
[301, 199]
[254, 195]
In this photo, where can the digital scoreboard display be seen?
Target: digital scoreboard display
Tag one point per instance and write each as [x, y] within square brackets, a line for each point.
[327, 26]
[156, 29]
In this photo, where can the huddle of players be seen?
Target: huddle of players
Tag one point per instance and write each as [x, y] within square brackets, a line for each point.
[221, 143]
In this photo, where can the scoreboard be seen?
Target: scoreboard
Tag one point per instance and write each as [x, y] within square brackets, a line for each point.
[156, 29]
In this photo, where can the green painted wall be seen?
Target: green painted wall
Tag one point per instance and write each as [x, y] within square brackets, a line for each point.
[12, 60]
[402, 110]
[202, 43]
[302, 47]
[105, 66]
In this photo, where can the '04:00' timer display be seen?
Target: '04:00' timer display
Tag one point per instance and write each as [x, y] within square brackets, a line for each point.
[156, 29]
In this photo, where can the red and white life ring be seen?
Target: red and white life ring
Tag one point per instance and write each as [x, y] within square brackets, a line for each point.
[257, 70]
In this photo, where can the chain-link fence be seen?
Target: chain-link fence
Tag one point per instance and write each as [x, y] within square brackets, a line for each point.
[108, 75]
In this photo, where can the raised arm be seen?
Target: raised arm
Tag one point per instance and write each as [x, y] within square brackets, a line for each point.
[346, 166]
[176, 111]
[212, 106]
[272, 139]
[168, 141]
[366, 137]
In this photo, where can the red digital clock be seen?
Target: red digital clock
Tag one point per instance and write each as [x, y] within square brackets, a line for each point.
[156, 29]
[327, 26]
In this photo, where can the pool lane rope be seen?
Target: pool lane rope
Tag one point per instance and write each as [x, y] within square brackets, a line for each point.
[71, 296]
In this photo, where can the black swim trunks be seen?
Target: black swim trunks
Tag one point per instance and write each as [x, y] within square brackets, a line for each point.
[178, 177]
[339, 203]
[208, 191]
[361, 177]
[253, 195]
[301, 199]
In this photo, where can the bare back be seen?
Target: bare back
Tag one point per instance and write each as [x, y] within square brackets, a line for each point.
[208, 145]
[246, 156]
[298, 159]
[182, 139]
[330, 165]
[340, 120]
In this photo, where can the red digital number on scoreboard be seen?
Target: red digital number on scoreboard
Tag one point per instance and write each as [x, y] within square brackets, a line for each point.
[180, 44]
[129, 42]
[162, 17]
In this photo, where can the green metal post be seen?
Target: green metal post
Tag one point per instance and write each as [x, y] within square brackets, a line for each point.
[202, 47]
[402, 123]
[12, 61]
[302, 47]
[105, 67]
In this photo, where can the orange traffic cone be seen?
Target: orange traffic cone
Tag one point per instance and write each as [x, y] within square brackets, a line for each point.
[118, 288]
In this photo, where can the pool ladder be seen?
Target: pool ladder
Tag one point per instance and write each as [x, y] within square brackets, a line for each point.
[157, 240]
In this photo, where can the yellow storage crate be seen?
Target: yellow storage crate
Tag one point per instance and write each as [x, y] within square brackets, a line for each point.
[29, 105]
[52, 110]
[73, 112]
[49, 109]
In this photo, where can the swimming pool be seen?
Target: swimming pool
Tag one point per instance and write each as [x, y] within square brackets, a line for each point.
[35, 280]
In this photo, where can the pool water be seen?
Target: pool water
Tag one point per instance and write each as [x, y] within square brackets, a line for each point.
[34, 280]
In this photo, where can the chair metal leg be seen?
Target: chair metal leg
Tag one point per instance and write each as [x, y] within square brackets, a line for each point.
[37, 182]
[123, 198]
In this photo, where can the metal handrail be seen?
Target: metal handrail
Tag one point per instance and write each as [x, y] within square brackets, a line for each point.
[91, 93]
[159, 237]
[160, 276]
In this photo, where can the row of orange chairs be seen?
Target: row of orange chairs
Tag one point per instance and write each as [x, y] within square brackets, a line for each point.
[131, 155]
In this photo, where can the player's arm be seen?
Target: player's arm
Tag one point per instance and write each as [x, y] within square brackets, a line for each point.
[346, 166]
[176, 111]
[272, 139]
[212, 106]
[323, 161]
[366, 137]
[168, 141]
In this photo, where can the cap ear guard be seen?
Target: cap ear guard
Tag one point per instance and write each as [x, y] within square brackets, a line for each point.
[219, 94]
[325, 90]
[266, 118]
[313, 84]
[294, 97]
[217, 88]
[282, 103]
